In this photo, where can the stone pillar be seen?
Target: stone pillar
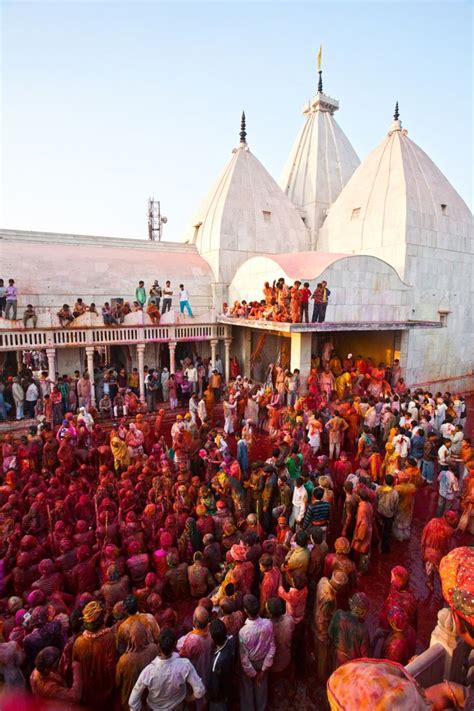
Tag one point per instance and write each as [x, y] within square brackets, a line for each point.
[246, 354]
[51, 356]
[301, 356]
[456, 649]
[172, 347]
[141, 370]
[90, 370]
[214, 343]
[227, 342]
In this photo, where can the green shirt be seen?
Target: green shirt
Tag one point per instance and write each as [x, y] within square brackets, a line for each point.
[294, 466]
[140, 295]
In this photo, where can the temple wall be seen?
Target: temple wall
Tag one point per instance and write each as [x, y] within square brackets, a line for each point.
[444, 281]
[56, 269]
[362, 288]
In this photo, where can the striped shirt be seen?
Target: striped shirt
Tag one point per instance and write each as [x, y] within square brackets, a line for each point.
[317, 513]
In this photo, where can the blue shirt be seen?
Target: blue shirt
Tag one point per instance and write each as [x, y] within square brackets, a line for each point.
[416, 446]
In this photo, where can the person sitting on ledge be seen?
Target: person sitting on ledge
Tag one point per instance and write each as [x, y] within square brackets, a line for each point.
[65, 316]
[79, 308]
[29, 313]
[153, 312]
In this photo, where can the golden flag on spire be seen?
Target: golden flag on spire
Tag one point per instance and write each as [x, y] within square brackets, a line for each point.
[320, 52]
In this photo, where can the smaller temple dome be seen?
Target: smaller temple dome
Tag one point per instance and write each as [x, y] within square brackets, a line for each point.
[245, 213]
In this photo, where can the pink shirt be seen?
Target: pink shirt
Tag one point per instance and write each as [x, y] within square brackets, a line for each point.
[256, 646]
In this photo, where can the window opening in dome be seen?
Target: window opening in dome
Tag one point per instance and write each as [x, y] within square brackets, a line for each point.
[355, 213]
[444, 209]
[267, 215]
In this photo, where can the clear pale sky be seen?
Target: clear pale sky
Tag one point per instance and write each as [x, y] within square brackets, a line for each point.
[104, 104]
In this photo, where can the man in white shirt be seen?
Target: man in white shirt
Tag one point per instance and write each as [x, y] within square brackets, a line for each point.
[413, 410]
[184, 300]
[165, 679]
[32, 395]
[401, 445]
[447, 429]
[299, 501]
[193, 407]
[218, 365]
[439, 414]
[191, 372]
[444, 455]
[167, 298]
[201, 410]
[456, 439]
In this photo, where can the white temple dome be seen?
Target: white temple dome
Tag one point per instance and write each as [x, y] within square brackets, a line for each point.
[245, 213]
[320, 163]
[397, 198]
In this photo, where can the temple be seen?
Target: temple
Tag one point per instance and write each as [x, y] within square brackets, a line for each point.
[390, 235]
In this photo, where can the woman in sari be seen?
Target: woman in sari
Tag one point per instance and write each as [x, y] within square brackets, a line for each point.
[209, 401]
[120, 454]
[134, 440]
[362, 538]
[390, 462]
[314, 393]
[295, 302]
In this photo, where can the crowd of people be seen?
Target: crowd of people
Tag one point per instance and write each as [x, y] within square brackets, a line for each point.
[182, 564]
[284, 303]
[196, 384]
[112, 313]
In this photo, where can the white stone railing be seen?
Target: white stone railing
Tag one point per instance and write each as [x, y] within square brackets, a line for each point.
[446, 656]
[428, 668]
[37, 338]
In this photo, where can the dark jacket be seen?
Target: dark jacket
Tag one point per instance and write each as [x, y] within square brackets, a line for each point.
[222, 669]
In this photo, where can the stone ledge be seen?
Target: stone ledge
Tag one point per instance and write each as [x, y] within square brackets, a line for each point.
[93, 240]
[329, 326]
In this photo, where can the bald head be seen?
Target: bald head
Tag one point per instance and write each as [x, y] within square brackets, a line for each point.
[200, 618]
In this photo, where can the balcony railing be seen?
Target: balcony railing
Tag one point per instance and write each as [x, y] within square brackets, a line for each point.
[38, 338]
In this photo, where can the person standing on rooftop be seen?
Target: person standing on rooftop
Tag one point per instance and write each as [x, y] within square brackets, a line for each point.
[184, 300]
[140, 293]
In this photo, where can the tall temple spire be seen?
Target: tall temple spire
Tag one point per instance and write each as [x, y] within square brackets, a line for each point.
[321, 161]
[320, 71]
[243, 132]
[396, 115]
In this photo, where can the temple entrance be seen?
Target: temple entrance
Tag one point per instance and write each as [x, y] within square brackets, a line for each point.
[268, 348]
[9, 362]
[380, 346]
